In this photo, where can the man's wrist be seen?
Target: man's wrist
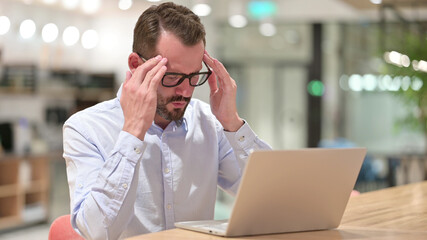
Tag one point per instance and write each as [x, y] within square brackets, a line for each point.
[137, 131]
[236, 125]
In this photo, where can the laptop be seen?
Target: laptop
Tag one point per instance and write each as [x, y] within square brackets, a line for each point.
[289, 191]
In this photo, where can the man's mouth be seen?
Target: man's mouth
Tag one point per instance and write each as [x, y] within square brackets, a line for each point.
[179, 104]
[179, 101]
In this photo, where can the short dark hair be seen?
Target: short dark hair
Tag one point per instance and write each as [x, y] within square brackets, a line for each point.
[170, 17]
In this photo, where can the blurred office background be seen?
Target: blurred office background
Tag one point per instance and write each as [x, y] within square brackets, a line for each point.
[310, 73]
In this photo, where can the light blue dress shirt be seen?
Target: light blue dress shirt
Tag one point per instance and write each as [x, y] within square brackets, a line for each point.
[121, 186]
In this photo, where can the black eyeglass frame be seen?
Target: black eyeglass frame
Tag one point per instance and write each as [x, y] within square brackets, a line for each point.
[184, 76]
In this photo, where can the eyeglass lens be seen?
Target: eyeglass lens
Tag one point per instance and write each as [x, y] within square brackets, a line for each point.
[176, 79]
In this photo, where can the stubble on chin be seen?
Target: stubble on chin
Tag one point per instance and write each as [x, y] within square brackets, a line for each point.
[176, 114]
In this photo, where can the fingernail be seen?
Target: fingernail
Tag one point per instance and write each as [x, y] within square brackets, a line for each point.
[158, 57]
[164, 60]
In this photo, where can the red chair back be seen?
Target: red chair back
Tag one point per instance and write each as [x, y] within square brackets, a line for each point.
[61, 229]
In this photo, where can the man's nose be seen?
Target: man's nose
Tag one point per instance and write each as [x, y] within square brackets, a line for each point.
[185, 89]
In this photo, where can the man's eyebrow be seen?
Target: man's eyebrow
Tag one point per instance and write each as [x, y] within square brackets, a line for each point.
[185, 73]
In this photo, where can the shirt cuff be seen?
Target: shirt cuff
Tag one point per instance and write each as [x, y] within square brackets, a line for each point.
[130, 146]
[243, 138]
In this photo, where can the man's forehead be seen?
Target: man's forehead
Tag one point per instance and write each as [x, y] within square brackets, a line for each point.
[181, 58]
[180, 67]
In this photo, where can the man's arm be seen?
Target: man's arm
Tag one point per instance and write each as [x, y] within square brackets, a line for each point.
[102, 191]
[223, 95]
[235, 148]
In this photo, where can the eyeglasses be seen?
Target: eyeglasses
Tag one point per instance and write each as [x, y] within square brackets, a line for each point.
[171, 79]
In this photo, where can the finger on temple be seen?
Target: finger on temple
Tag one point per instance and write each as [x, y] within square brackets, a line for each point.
[141, 70]
[152, 72]
[154, 83]
[222, 72]
[208, 60]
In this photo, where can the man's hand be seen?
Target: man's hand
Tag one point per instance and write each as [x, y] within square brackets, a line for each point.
[139, 96]
[223, 95]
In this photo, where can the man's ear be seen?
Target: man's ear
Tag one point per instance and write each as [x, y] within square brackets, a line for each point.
[134, 61]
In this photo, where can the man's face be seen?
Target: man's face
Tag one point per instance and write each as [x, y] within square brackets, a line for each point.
[172, 101]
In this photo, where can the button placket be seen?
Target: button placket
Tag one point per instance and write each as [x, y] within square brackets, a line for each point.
[167, 179]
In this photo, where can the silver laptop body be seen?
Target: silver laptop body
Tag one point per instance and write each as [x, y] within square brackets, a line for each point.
[289, 191]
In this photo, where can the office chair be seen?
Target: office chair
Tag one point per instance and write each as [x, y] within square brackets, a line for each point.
[61, 229]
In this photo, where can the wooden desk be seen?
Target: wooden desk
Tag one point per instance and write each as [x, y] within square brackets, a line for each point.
[392, 213]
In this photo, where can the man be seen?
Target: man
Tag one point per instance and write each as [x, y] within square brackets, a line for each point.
[153, 156]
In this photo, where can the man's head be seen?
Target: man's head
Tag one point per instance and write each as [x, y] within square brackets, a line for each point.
[177, 34]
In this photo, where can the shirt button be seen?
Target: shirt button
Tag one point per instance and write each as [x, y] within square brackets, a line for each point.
[124, 185]
[167, 170]
[137, 150]
[169, 207]
[242, 138]
[80, 185]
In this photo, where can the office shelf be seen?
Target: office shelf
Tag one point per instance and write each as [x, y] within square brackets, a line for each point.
[24, 190]
[19, 78]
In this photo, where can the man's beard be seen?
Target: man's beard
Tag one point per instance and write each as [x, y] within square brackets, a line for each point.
[174, 115]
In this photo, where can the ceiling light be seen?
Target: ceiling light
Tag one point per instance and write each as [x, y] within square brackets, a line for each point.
[49, 32]
[4, 25]
[369, 82]
[355, 83]
[394, 57]
[384, 83]
[70, 36]
[91, 6]
[125, 4]
[90, 39]
[267, 29]
[404, 60]
[416, 84]
[397, 59]
[376, 1]
[70, 4]
[27, 29]
[395, 84]
[237, 21]
[419, 65]
[202, 9]
[406, 83]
